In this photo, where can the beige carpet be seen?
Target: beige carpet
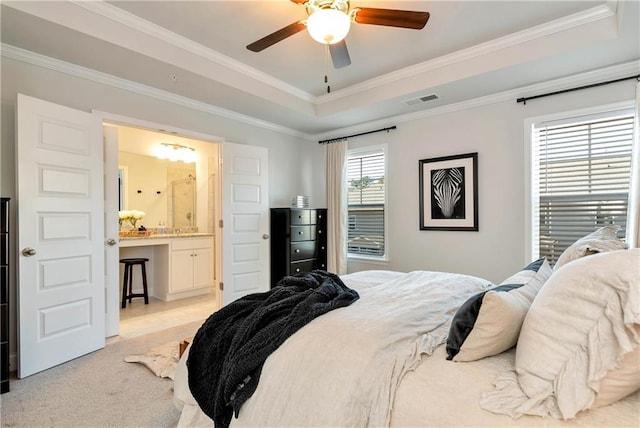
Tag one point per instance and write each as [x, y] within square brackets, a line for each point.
[97, 390]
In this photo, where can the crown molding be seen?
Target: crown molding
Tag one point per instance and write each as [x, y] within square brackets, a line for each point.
[22, 55]
[134, 22]
[122, 17]
[566, 23]
[586, 78]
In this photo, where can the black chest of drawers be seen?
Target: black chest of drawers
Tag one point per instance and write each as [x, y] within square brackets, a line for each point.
[4, 295]
[298, 241]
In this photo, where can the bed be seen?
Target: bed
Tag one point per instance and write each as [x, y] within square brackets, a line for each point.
[404, 354]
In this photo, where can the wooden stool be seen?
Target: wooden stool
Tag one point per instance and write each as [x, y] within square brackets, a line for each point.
[127, 283]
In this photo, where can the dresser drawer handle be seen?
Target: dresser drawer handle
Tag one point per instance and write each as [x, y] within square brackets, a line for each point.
[301, 233]
[297, 270]
[297, 250]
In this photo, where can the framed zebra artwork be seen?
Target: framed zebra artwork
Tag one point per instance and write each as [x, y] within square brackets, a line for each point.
[449, 192]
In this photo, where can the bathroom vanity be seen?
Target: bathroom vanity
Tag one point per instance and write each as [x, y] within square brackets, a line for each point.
[179, 266]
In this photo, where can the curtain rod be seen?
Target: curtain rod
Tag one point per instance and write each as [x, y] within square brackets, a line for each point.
[525, 99]
[333, 140]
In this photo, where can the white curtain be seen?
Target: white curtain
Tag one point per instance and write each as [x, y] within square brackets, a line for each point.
[336, 155]
[633, 216]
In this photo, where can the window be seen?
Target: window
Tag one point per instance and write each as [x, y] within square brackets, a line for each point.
[581, 169]
[366, 203]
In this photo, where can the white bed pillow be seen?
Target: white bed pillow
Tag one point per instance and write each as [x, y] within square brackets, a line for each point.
[579, 330]
[599, 241]
[621, 381]
[489, 322]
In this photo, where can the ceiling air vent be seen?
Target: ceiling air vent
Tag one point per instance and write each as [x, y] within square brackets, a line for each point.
[419, 100]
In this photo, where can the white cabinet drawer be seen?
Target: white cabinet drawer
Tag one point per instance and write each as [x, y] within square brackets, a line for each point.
[191, 243]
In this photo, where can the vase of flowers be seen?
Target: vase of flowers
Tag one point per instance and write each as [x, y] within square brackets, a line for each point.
[128, 219]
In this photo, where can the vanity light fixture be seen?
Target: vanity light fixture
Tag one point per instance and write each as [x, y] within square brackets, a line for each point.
[176, 152]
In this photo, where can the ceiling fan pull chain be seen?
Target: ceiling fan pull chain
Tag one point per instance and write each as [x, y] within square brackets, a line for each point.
[326, 65]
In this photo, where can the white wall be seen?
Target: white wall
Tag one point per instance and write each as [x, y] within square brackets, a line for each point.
[496, 132]
[297, 167]
[285, 151]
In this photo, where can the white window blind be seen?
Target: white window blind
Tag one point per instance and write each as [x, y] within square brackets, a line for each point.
[366, 199]
[583, 174]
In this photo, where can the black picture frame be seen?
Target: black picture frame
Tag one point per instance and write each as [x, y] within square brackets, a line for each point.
[449, 192]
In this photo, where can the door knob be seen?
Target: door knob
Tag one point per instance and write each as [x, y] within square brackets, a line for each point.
[28, 252]
[111, 241]
[265, 236]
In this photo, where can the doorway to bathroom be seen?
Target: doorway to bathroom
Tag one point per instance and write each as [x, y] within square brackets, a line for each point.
[176, 198]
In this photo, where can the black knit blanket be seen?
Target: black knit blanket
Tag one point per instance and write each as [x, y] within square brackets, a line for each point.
[228, 351]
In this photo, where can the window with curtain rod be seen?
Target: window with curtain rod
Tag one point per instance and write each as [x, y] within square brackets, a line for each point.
[584, 169]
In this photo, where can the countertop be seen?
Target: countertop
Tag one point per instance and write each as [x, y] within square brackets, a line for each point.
[166, 235]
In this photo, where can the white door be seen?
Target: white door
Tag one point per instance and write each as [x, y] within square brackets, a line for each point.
[112, 249]
[61, 310]
[245, 214]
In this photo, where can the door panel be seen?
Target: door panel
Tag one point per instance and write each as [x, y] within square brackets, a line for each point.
[111, 249]
[60, 234]
[245, 209]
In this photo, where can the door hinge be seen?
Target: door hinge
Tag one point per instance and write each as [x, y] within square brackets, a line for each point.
[221, 286]
[220, 224]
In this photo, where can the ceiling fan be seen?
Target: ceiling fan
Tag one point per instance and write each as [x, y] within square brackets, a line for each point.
[329, 22]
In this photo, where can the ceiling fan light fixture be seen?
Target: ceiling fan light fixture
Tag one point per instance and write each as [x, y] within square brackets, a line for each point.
[328, 26]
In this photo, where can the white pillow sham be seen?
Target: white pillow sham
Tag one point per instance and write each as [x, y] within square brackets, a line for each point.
[577, 333]
[599, 241]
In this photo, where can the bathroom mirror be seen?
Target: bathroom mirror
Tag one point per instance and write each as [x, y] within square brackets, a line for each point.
[164, 190]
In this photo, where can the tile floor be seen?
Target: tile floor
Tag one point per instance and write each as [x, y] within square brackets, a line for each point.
[138, 319]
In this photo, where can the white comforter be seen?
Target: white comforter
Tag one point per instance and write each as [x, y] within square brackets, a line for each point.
[343, 368]
[369, 364]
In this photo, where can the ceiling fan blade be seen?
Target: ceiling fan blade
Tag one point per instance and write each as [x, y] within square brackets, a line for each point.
[392, 18]
[277, 36]
[339, 54]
